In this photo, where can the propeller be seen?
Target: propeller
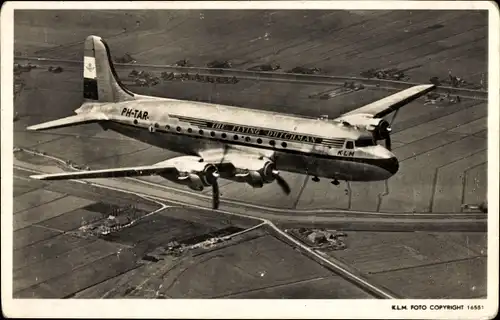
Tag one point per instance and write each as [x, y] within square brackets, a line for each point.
[388, 143]
[383, 131]
[386, 135]
[281, 182]
[388, 131]
[394, 117]
[215, 191]
[212, 178]
[215, 183]
[215, 195]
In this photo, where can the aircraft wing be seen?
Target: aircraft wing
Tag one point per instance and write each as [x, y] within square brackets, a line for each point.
[106, 173]
[165, 167]
[223, 160]
[242, 164]
[385, 106]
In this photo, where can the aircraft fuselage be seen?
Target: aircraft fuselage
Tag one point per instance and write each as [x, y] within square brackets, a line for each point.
[300, 145]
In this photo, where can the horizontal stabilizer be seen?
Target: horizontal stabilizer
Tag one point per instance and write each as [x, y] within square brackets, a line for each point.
[70, 121]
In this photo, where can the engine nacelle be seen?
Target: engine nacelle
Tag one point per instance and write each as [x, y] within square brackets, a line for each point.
[255, 172]
[253, 178]
[370, 124]
[379, 127]
[195, 180]
[191, 180]
[266, 171]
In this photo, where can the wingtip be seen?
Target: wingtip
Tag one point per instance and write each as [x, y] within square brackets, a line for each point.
[425, 87]
[37, 177]
[32, 128]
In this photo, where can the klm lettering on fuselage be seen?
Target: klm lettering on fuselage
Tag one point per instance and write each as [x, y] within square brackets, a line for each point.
[134, 113]
[265, 132]
[345, 153]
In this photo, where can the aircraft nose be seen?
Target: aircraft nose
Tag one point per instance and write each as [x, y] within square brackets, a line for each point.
[391, 164]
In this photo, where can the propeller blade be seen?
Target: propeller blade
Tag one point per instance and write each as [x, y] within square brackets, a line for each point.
[388, 142]
[282, 182]
[215, 195]
[224, 154]
[394, 117]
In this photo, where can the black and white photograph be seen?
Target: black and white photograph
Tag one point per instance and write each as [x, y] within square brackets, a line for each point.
[247, 153]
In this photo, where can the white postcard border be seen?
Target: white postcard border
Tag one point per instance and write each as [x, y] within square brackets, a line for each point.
[269, 309]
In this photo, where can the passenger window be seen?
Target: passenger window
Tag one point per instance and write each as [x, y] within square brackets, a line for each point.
[349, 145]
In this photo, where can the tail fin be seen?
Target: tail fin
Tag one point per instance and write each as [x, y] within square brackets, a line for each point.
[100, 84]
[100, 81]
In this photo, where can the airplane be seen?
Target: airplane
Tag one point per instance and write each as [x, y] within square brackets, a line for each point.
[238, 144]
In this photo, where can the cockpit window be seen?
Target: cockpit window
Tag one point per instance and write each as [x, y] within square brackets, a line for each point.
[349, 145]
[365, 142]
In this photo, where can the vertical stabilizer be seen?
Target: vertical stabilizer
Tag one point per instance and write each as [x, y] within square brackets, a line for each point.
[101, 83]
